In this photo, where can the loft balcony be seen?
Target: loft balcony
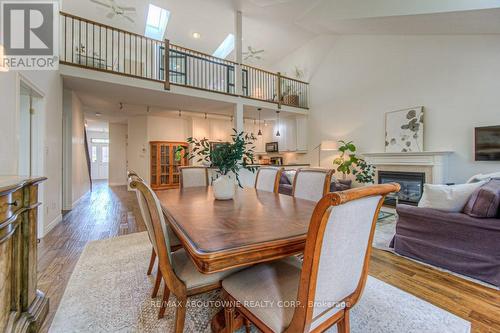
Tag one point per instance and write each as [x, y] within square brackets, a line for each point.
[100, 47]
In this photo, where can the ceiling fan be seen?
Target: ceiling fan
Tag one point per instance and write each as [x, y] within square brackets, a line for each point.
[252, 54]
[116, 9]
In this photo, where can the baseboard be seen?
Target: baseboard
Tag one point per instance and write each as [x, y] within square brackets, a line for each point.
[51, 225]
[117, 184]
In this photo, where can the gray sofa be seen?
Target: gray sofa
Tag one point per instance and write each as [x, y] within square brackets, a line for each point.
[286, 186]
[454, 241]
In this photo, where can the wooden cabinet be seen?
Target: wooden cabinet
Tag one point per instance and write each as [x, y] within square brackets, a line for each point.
[164, 164]
[22, 307]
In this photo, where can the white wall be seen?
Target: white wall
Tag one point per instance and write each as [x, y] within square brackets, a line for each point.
[355, 79]
[79, 170]
[117, 154]
[49, 114]
[137, 149]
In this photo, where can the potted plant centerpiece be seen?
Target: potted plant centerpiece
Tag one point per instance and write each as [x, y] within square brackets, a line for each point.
[227, 158]
[348, 163]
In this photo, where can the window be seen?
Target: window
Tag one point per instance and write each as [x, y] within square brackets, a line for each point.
[105, 154]
[97, 140]
[225, 48]
[94, 154]
[157, 21]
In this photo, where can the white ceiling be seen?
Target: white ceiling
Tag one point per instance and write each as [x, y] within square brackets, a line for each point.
[105, 98]
[281, 26]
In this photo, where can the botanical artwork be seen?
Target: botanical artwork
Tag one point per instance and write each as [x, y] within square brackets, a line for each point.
[404, 130]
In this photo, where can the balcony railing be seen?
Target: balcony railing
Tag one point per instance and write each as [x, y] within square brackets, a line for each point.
[101, 47]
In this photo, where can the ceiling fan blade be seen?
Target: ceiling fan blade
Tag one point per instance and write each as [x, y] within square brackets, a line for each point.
[101, 3]
[110, 15]
[127, 9]
[257, 52]
[128, 18]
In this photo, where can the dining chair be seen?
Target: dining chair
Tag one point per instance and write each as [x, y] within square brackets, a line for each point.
[174, 241]
[319, 292]
[311, 183]
[268, 179]
[192, 176]
[179, 274]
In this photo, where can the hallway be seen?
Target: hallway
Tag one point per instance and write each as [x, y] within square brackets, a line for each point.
[103, 213]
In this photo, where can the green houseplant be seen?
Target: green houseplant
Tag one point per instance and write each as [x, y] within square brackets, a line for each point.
[226, 158]
[348, 163]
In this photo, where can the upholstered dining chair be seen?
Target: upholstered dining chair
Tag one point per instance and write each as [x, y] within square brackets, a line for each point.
[174, 241]
[311, 183]
[328, 283]
[192, 176]
[268, 179]
[178, 272]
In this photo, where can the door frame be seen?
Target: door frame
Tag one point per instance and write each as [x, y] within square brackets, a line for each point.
[37, 140]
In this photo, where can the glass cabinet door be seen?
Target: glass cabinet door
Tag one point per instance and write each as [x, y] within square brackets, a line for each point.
[154, 165]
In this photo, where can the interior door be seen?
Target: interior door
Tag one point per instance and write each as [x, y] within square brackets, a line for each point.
[99, 158]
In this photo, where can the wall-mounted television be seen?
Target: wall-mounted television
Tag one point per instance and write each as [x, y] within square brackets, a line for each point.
[487, 143]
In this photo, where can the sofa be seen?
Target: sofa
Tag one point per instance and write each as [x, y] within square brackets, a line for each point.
[458, 242]
[286, 183]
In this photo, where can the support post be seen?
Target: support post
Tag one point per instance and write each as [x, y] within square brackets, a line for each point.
[238, 117]
[278, 90]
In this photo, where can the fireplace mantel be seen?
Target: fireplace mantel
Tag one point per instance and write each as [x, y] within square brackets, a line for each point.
[435, 164]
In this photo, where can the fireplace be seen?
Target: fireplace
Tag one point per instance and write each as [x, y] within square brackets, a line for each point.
[412, 185]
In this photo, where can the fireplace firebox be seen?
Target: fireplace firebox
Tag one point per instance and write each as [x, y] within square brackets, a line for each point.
[412, 186]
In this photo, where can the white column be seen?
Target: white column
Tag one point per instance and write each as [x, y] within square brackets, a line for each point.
[238, 117]
[238, 49]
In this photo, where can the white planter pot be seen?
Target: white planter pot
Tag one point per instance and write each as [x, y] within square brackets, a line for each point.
[224, 188]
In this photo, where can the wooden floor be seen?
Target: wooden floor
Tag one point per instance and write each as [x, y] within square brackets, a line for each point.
[112, 211]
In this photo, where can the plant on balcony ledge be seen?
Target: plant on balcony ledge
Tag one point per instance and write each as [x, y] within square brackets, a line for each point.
[226, 158]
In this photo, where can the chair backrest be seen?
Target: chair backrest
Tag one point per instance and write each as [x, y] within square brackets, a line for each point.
[193, 176]
[337, 254]
[311, 183]
[268, 179]
[148, 213]
[159, 232]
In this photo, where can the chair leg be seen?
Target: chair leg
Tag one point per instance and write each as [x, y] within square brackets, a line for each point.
[152, 261]
[343, 326]
[247, 325]
[166, 294]
[229, 318]
[180, 316]
[157, 284]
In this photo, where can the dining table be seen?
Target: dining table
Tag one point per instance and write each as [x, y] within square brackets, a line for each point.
[254, 227]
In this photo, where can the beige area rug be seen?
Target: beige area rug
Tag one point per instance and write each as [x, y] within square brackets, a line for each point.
[110, 292]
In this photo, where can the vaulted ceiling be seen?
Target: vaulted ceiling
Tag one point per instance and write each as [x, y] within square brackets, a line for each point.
[281, 26]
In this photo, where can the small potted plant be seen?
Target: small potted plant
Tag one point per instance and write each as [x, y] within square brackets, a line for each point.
[226, 158]
[348, 163]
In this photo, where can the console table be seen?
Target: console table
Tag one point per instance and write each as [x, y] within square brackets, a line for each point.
[22, 307]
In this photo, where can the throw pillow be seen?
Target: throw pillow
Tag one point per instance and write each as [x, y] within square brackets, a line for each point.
[448, 198]
[484, 201]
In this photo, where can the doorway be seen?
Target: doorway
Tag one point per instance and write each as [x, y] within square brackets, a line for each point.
[99, 158]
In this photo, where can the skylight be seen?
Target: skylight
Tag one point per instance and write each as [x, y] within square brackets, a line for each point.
[226, 47]
[157, 21]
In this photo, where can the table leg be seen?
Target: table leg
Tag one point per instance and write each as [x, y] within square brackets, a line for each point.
[218, 323]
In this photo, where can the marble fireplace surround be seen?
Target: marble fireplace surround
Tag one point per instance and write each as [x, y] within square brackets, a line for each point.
[433, 164]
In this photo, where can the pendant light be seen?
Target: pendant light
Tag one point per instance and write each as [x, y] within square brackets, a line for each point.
[260, 132]
[278, 121]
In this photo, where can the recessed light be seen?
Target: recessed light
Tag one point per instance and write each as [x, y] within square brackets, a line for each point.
[196, 35]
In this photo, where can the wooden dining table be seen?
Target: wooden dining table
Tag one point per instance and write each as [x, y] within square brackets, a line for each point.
[256, 226]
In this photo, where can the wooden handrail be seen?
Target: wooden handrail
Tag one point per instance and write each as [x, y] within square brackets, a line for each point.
[134, 55]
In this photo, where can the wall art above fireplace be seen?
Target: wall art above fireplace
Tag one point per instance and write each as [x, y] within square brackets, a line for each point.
[404, 130]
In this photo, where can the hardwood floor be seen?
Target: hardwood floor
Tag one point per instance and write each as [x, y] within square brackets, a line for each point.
[112, 211]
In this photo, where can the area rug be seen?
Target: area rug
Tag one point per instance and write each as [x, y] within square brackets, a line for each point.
[109, 291]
